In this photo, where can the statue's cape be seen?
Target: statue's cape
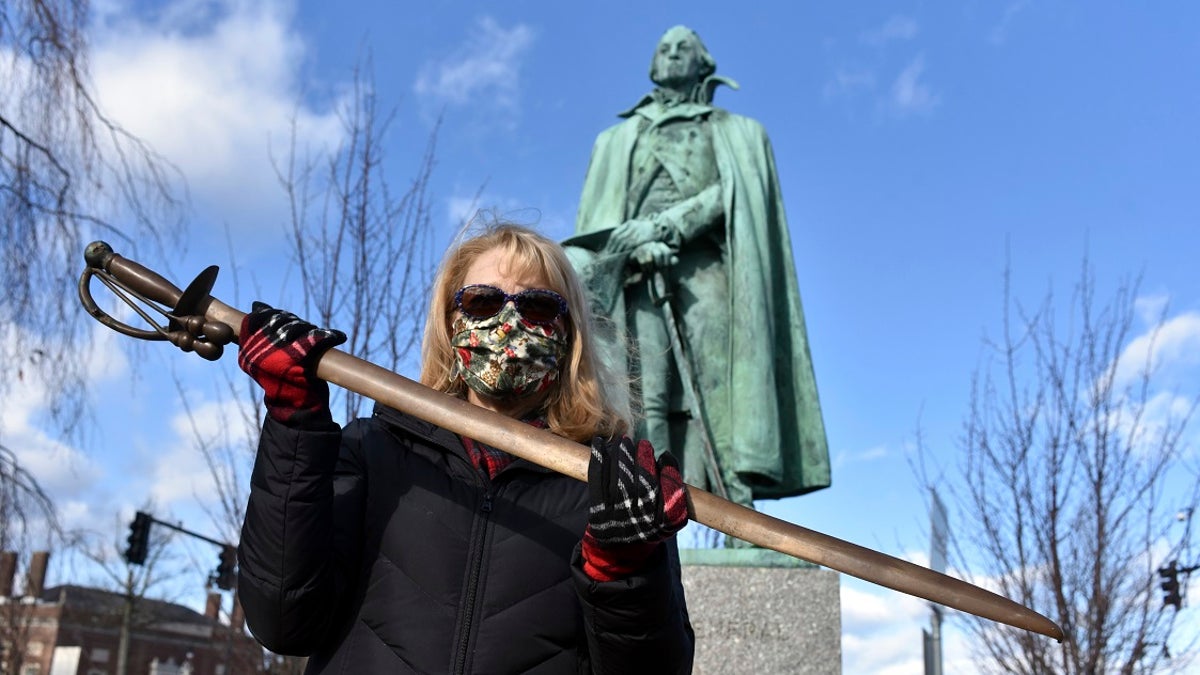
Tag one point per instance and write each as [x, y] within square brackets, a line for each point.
[779, 434]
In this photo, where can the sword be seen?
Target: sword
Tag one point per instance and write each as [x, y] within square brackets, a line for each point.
[201, 323]
[661, 295]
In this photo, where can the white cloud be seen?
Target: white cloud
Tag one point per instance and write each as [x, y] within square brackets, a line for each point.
[865, 612]
[881, 630]
[1168, 348]
[871, 454]
[1150, 308]
[895, 29]
[462, 208]
[882, 633]
[909, 93]
[1167, 352]
[180, 474]
[211, 86]
[61, 469]
[958, 651]
[999, 33]
[484, 72]
[848, 81]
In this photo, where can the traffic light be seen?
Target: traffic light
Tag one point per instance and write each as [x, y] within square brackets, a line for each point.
[1170, 585]
[139, 539]
[226, 576]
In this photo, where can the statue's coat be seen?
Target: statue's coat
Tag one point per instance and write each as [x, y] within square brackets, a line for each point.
[778, 436]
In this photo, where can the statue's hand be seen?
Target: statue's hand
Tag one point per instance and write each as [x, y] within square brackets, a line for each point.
[630, 234]
[654, 255]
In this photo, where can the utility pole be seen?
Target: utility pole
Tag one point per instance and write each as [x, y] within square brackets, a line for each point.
[939, 533]
[126, 622]
[135, 554]
[933, 642]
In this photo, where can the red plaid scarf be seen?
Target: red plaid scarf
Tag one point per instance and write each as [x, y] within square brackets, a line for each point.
[491, 461]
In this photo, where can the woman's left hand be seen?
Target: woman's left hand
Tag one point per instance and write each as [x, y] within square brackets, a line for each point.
[635, 499]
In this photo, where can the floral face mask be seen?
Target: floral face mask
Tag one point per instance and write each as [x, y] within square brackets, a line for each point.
[505, 356]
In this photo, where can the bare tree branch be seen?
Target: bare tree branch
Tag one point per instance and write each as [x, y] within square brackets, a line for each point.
[68, 173]
[364, 254]
[1062, 493]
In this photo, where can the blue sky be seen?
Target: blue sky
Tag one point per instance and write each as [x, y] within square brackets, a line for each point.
[921, 147]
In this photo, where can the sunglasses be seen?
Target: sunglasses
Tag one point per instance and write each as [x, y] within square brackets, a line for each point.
[538, 305]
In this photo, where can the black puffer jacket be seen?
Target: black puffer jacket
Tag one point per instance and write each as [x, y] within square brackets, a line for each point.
[395, 555]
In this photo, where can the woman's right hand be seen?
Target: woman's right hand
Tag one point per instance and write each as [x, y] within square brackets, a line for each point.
[280, 351]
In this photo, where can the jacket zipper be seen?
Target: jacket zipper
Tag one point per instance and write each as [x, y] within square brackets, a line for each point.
[472, 590]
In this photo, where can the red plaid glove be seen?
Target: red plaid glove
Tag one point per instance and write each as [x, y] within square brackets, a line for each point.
[280, 351]
[636, 504]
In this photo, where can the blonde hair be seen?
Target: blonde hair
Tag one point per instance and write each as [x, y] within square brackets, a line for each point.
[588, 400]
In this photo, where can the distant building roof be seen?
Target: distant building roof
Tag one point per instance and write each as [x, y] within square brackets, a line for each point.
[95, 601]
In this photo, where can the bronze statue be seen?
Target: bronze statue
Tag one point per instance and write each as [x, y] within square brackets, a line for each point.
[682, 237]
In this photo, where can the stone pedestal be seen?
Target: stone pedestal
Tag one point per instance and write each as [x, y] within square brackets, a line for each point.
[762, 619]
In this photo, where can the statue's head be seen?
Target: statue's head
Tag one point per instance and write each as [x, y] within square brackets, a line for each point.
[681, 60]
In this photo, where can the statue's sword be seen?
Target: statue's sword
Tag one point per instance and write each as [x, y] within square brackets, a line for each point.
[660, 293]
[199, 322]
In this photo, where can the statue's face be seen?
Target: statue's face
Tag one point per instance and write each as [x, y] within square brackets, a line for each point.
[677, 61]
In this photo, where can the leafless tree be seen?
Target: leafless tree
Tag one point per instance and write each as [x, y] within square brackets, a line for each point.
[68, 173]
[134, 582]
[24, 507]
[15, 615]
[363, 255]
[15, 624]
[1062, 498]
[22, 502]
[362, 251]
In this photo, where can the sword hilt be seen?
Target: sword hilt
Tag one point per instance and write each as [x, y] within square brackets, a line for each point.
[141, 288]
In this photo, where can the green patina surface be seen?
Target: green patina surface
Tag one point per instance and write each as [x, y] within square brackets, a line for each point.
[686, 190]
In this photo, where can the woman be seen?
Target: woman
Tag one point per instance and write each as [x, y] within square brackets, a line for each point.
[396, 546]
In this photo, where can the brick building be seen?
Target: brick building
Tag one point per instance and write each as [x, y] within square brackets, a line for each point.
[75, 630]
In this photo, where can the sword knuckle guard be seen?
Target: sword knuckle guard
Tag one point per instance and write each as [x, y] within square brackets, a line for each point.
[146, 292]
